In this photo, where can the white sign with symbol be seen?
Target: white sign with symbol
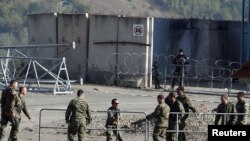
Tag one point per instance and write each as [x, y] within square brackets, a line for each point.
[138, 30]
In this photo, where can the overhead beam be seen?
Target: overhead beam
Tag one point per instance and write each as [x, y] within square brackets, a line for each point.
[38, 46]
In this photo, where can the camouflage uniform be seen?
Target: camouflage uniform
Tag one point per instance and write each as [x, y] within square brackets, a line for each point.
[241, 107]
[77, 115]
[7, 109]
[228, 108]
[175, 107]
[161, 114]
[111, 124]
[187, 106]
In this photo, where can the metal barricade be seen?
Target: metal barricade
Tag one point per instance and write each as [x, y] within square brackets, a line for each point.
[143, 114]
[199, 123]
[202, 120]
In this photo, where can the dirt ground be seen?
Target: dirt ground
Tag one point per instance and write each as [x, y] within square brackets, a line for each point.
[99, 98]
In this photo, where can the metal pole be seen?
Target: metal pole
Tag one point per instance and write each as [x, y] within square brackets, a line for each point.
[67, 74]
[7, 62]
[147, 129]
[117, 130]
[177, 126]
[225, 116]
[27, 72]
[116, 52]
[242, 29]
[36, 75]
[4, 74]
[36, 46]
[40, 120]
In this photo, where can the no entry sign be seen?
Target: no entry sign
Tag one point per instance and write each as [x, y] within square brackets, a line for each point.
[138, 30]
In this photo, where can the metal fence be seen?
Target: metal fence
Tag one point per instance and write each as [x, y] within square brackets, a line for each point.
[16, 62]
[101, 128]
[195, 130]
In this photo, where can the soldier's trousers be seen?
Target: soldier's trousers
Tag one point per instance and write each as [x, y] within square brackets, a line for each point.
[182, 135]
[156, 81]
[14, 129]
[172, 136]
[109, 133]
[159, 133]
[77, 127]
[177, 77]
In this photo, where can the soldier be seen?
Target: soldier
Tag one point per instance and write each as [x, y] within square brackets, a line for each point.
[180, 61]
[156, 76]
[77, 116]
[225, 107]
[7, 106]
[20, 106]
[168, 100]
[175, 106]
[161, 114]
[112, 120]
[241, 107]
[187, 106]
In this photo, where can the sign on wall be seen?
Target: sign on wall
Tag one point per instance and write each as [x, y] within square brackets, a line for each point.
[138, 30]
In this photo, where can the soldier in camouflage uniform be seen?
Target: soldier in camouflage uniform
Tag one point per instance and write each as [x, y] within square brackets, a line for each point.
[20, 106]
[225, 107]
[161, 114]
[241, 107]
[7, 106]
[187, 106]
[77, 116]
[175, 106]
[112, 120]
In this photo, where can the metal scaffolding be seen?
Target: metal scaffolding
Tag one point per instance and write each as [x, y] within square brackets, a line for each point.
[14, 64]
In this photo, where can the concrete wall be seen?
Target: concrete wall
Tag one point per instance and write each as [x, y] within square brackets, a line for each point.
[102, 57]
[201, 40]
[61, 29]
[42, 30]
[211, 38]
[74, 27]
[115, 55]
[108, 52]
